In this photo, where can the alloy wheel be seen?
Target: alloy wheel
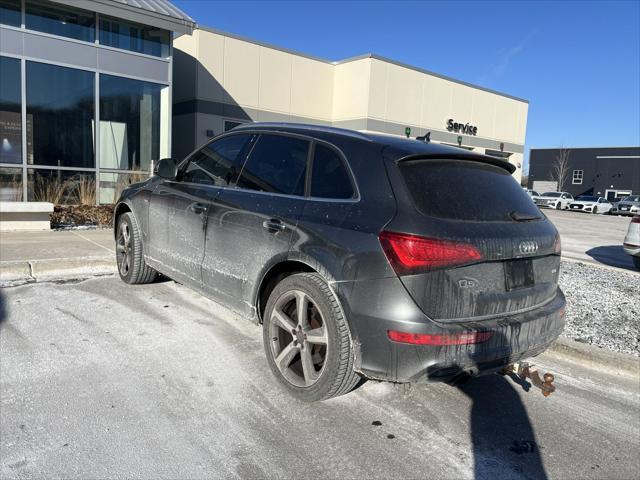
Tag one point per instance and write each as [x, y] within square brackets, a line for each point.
[123, 249]
[299, 338]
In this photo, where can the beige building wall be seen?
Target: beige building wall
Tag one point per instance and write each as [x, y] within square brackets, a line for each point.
[239, 80]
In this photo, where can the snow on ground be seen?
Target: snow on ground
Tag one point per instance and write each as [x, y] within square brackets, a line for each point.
[603, 306]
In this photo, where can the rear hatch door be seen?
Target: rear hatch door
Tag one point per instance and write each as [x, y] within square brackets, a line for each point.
[478, 204]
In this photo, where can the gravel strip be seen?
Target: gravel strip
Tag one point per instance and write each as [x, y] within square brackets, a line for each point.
[603, 306]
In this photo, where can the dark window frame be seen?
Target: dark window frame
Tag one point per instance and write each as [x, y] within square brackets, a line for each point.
[246, 150]
[182, 165]
[309, 140]
[356, 193]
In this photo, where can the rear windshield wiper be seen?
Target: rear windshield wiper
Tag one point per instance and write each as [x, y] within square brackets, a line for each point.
[522, 217]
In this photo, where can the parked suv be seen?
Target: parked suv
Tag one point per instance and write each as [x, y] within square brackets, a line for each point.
[362, 255]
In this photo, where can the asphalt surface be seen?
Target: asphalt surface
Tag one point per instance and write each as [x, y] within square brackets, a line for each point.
[99, 379]
[592, 238]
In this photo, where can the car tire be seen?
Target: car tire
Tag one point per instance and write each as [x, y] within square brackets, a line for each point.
[636, 262]
[595, 210]
[129, 256]
[559, 206]
[309, 370]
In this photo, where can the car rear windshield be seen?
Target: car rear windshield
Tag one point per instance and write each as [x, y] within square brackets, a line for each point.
[466, 190]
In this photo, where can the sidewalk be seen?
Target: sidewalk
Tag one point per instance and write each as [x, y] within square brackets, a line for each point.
[31, 256]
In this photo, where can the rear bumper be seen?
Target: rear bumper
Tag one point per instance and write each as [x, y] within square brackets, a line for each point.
[375, 307]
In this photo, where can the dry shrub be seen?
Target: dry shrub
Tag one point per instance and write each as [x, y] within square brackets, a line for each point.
[84, 190]
[49, 188]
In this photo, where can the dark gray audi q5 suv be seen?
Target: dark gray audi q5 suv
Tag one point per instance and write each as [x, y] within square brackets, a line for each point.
[362, 255]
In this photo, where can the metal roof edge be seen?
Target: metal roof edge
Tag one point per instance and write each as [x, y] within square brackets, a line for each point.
[136, 14]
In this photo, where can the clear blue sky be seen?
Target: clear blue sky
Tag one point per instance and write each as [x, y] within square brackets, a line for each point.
[577, 62]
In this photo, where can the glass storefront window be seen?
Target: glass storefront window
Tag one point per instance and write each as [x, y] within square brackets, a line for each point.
[10, 184]
[135, 37]
[10, 111]
[10, 13]
[60, 20]
[61, 187]
[129, 123]
[112, 184]
[60, 104]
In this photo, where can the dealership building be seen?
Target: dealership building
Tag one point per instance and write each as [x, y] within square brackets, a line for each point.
[610, 172]
[85, 95]
[221, 80]
[93, 92]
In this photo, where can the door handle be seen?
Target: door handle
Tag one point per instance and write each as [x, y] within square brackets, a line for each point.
[274, 225]
[198, 208]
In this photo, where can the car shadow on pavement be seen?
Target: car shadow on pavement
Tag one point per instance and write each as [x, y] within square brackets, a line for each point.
[612, 255]
[503, 438]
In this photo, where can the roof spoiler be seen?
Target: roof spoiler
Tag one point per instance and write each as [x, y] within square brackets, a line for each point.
[474, 157]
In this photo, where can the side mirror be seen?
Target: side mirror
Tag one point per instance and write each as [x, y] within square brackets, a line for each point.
[167, 168]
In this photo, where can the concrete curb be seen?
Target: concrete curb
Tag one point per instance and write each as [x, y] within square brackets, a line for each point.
[18, 273]
[595, 357]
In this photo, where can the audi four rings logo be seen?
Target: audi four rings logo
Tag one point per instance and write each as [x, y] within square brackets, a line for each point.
[528, 247]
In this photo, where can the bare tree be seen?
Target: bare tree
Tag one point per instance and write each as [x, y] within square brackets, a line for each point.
[560, 170]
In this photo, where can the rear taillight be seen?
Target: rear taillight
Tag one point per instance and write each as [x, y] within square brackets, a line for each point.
[557, 245]
[428, 339]
[409, 254]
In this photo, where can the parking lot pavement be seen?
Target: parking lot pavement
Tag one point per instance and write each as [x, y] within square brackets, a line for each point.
[592, 238]
[26, 256]
[54, 244]
[101, 379]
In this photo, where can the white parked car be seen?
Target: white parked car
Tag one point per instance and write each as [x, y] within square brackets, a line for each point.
[590, 204]
[557, 200]
[632, 241]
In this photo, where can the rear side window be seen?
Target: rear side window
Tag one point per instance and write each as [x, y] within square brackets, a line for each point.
[218, 163]
[329, 176]
[277, 164]
[466, 190]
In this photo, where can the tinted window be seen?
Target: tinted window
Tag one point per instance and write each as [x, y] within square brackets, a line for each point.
[587, 198]
[10, 12]
[129, 123]
[464, 190]
[10, 111]
[60, 114]
[329, 177]
[551, 194]
[277, 164]
[61, 20]
[218, 163]
[134, 36]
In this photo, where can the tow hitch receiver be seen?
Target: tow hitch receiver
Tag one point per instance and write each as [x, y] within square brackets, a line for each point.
[524, 371]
